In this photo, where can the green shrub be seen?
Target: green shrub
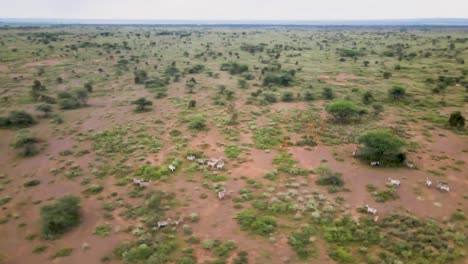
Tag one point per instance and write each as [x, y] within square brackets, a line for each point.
[94, 189]
[327, 177]
[141, 104]
[281, 78]
[328, 93]
[287, 97]
[232, 152]
[4, 200]
[103, 230]
[383, 146]
[149, 172]
[389, 194]
[266, 138]
[456, 120]
[234, 67]
[269, 97]
[342, 255]
[198, 123]
[60, 217]
[343, 111]
[69, 103]
[32, 183]
[301, 243]
[26, 141]
[257, 224]
[397, 93]
[17, 119]
[63, 252]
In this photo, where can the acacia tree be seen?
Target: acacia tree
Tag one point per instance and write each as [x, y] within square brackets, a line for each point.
[343, 111]
[141, 104]
[456, 120]
[45, 108]
[397, 93]
[383, 146]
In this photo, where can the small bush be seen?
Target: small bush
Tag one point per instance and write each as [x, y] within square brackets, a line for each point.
[60, 217]
[232, 152]
[32, 183]
[261, 225]
[287, 97]
[17, 119]
[456, 120]
[301, 243]
[198, 123]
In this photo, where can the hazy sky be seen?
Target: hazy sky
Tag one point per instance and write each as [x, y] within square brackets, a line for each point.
[234, 9]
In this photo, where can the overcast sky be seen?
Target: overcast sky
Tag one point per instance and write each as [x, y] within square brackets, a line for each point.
[234, 9]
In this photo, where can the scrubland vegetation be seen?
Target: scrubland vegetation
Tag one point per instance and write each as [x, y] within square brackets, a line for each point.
[233, 145]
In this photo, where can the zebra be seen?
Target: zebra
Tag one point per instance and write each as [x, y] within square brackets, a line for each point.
[428, 182]
[220, 166]
[443, 187]
[221, 194]
[371, 210]
[191, 157]
[162, 224]
[172, 167]
[394, 182]
[375, 163]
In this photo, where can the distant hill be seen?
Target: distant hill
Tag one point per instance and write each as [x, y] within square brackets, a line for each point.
[382, 22]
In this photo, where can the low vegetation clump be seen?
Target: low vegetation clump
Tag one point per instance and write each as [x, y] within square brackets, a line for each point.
[150, 172]
[329, 178]
[285, 163]
[72, 100]
[31, 183]
[266, 138]
[60, 217]
[234, 67]
[26, 141]
[198, 123]
[119, 140]
[141, 104]
[17, 119]
[280, 78]
[232, 152]
[150, 245]
[103, 230]
[386, 195]
[456, 120]
[257, 224]
[302, 244]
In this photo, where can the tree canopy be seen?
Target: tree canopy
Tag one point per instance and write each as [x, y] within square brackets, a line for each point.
[383, 146]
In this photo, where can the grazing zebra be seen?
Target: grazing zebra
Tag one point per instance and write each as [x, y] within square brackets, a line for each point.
[220, 166]
[371, 210]
[443, 187]
[162, 224]
[355, 152]
[172, 167]
[145, 184]
[394, 182]
[410, 165]
[191, 158]
[137, 181]
[428, 182]
[221, 194]
[201, 161]
[212, 164]
[375, 163]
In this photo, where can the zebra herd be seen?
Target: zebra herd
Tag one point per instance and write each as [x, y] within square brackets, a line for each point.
[212, 163]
